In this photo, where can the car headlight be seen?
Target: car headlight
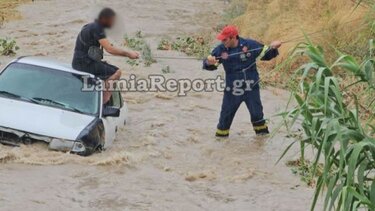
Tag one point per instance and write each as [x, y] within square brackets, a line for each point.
[67, 145]
[61, 145]
[78, 147]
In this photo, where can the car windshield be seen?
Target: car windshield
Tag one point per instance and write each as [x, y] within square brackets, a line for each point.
[48, 87]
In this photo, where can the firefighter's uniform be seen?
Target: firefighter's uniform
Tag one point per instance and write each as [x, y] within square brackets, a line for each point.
[241, 67]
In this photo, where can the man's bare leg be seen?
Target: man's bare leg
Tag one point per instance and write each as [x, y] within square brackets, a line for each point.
[107, 94]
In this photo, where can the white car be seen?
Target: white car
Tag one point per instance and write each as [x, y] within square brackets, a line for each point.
[42, 100]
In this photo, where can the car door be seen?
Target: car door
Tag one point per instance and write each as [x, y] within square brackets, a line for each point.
[118, 102]
[113, 124]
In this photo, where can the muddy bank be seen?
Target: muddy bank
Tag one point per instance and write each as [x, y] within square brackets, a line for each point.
[167, 157]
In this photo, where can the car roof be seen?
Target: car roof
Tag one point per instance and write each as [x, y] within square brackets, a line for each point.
[49, 63]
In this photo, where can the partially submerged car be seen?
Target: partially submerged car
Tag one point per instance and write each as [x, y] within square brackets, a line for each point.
[43, 100]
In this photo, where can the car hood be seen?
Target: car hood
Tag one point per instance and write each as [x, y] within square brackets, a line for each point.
[42, 120]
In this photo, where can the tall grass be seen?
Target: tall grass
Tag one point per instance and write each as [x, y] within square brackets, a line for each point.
[342, 142]
[346, 26]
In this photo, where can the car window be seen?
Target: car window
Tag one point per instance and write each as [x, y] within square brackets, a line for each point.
[34, 82]
[116, 99]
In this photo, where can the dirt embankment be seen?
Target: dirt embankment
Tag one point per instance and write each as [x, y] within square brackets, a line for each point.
[333, 24]
[286, 20]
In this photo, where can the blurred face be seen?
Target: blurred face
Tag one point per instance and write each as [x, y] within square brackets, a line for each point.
[230, 42]
[108, 22]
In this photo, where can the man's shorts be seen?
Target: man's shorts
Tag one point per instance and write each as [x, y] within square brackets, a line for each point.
[102, 70]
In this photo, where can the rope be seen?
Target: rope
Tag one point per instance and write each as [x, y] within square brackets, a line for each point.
[302, 37]
[319, 31]
[256, 49]
[172, 57]
[288, 41]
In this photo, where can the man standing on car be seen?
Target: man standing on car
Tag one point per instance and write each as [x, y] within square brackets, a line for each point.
[88, 52]
[239, 56]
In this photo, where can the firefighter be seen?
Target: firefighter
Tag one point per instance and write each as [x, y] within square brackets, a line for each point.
[239, 56]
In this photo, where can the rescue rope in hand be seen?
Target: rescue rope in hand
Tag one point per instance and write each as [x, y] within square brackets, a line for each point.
[298, 38]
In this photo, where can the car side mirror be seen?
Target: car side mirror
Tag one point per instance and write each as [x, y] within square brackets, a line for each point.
[111, 112]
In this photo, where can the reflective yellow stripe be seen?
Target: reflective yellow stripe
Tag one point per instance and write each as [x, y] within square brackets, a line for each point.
[222, 132]
[264, 51]
[260, 127]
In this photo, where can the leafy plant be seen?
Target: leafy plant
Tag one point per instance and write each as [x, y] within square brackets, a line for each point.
[305, 170]
[138, 43]
[132, 62]
[8, 47]
[148, 59]
[196, 46]
[165, 45]
[341, 141]
[166, 69]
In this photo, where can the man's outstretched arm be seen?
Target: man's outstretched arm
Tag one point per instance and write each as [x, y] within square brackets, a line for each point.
[212, 62]
[116, 51]
[270, 52]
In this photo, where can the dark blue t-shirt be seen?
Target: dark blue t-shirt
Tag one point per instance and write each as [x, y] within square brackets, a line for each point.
[89, 36]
